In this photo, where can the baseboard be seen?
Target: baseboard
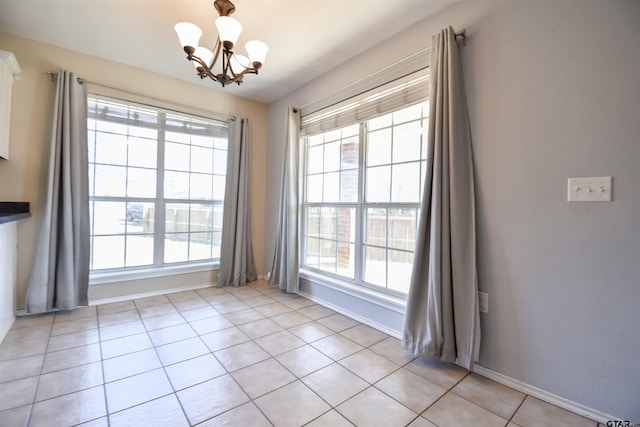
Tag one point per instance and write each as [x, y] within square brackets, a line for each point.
[149, 294]
[548, 397]
[354, 316]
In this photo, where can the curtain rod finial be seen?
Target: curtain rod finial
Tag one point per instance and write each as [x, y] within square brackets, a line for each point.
[462, 34]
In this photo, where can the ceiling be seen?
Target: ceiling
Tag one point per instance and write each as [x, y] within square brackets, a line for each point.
[306, 37]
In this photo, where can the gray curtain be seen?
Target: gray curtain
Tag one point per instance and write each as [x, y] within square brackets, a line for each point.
[60, 275]
[237, 265]
[284, 267]
[442, 318]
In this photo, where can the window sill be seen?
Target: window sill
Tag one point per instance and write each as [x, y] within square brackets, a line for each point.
[387, 301]
[101, 278]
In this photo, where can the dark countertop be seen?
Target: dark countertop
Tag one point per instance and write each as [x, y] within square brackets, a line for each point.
[13, 211]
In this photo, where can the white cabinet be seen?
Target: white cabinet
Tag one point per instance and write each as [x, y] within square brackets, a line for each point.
[8, 261]
[8, 68]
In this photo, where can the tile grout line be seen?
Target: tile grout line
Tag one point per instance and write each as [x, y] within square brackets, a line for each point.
[104, 377]
[164, 369]
[51, 328]
[44, 356]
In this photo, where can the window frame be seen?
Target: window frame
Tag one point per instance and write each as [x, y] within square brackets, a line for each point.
[159, 267]
[358, 284]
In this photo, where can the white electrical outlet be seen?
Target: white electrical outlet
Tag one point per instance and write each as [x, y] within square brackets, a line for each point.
[483, 302]
[593, 189]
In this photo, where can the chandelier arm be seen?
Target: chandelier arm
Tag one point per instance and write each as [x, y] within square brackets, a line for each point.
[203, 70]
[217, 48]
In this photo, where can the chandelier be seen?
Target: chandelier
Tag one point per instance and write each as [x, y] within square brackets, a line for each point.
[233, 66]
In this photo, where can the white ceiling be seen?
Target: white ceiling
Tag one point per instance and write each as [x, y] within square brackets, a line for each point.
[306, 37]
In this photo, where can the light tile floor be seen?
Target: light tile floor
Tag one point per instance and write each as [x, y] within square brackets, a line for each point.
[248, 356]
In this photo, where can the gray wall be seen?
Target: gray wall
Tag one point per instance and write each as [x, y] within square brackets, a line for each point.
[553, 90]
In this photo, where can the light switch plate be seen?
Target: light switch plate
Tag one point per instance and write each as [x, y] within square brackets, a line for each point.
[590, 189]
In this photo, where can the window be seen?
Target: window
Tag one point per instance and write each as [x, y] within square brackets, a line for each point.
[362, 188]
[156, 183]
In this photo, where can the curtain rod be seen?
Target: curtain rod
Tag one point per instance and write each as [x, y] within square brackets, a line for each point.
[462, 33]
[81, 81]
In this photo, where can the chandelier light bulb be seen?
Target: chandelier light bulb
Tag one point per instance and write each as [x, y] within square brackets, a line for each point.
[205, 54]
[228, 30]
[188, 33]
[257, 51]
[239, 63]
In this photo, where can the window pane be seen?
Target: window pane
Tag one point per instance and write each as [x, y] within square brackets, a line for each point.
[108, 252]
[110, 181]
[176, 247]
[176, 218]
[139, 250]
[328, 222]
[316, 140]
[349, 186]
[331, 188]
[142, 152]
[406, 183]
[378, 184]
[346, 260]
[314, 188]
[407, 114]
[379, 122]
[143, 132]
[406, 142]
[402, 229]
[215, 249]
[111, 127]
[375, 266]
[220, 143]
[379, 147]
[92, 172]
[332, 135]
[220, 162]
[201, 140]
[312, 221]
[111, 149]
[201, 160]
[219, 183]
[312, 255]
[141, 183]
[176, 185]
[200, 219]
[327, 256]
[217, 217]
[201, 186]
[346, 224]
[200, 246]
[91, 146]
[315, 159]
[350, 130]
[376, 226]
[400, 267]
[177, 137]
[176, 156]
[109, 218]
[140, 217]
[349, 154]
[332, 156]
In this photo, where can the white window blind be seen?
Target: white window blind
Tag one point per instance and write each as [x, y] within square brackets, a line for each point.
[129, 113]
[401, 93]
